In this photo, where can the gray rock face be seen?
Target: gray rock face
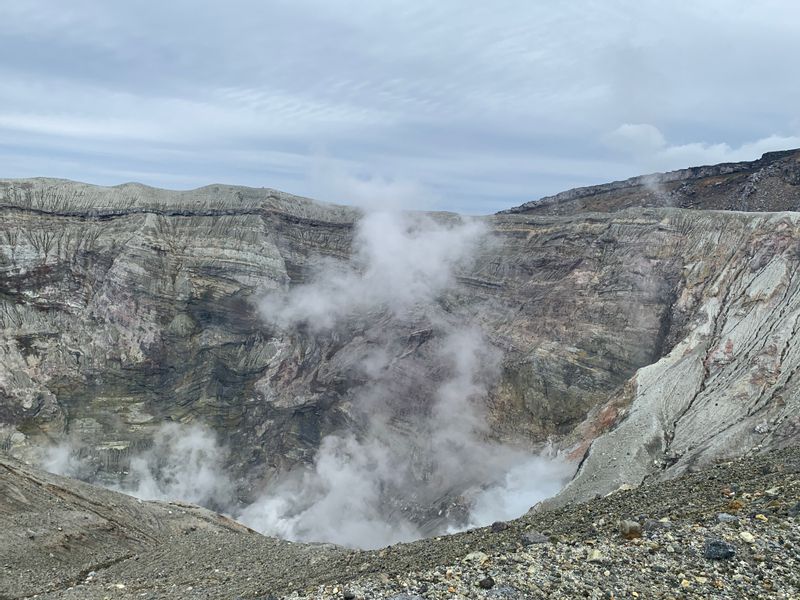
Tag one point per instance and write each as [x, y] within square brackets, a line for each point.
[727, 388]
[132, 312]
[642, 341]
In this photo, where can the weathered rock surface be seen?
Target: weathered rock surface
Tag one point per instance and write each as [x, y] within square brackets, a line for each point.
[653, 335]
[727, 388]
[124, 308]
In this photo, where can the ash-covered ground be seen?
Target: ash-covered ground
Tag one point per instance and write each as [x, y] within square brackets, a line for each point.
[728, 531]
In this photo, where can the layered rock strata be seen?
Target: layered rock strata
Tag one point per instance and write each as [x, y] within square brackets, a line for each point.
[642, 331]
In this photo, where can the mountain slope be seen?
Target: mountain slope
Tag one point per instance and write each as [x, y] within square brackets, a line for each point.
[59, 533]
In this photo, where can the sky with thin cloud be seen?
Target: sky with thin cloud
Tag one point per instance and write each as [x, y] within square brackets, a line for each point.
[453, 104]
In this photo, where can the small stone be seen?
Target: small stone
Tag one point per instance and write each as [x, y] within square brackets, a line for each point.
[761, 517]
[533, 537]
[726, 517]
[348, 595]
[486, 583]
[505, 592]
[652, 525]
[594, 556]
[735, 505]
[747, 537]
[476, 557]
[630, 529]
[499, 526]
[718, 549]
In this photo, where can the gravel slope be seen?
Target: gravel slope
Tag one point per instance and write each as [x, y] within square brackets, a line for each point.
[729, 531]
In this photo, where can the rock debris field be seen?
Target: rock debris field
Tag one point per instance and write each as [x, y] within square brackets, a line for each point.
[731, 530]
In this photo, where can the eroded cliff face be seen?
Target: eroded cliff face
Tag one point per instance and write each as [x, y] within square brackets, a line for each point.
[728, 387]
[641, 340]
[124, 308]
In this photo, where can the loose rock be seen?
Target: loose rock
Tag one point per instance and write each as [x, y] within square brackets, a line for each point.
[594, 556]
[630, 529]
[499, 526]
[486, 583]
[533, 537]
[747, 537]
[716, 549]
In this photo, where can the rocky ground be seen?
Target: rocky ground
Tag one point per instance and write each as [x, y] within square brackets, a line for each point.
[729, 531]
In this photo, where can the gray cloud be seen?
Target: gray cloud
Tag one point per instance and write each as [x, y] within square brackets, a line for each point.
[481, 105]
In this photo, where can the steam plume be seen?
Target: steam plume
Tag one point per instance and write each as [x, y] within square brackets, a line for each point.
[185, 463]
[417, 458]
[421, 440]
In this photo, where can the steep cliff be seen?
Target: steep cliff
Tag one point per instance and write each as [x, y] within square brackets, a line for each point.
[641, 329]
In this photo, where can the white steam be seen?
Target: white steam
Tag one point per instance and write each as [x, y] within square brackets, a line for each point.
[185, 463]
[338, 500]
[398, 261]
[65, 459]
[525, 484]
[422, 441]
[417, 458]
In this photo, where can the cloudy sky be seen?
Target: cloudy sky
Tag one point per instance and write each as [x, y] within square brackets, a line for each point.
[455, 104]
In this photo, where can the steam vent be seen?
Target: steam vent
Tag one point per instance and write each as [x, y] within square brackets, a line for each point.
[399, 300]
[324, 374]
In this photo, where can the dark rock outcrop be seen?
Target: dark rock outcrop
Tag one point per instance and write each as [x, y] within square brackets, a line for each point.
[768, 184]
